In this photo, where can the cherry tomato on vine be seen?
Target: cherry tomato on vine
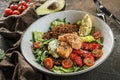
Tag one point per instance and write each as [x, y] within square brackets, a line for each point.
[15, 12]
[8, 12]
[14, 7]
[26, 6]
[21, 8]
[23, 3]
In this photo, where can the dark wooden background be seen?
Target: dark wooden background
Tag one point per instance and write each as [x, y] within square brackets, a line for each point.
[110, 69]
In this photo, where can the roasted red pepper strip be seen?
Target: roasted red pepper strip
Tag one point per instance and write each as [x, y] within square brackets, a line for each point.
[91, 46]
[77, 59]
[82, 53]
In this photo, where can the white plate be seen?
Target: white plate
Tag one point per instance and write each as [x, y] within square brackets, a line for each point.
[43, 25]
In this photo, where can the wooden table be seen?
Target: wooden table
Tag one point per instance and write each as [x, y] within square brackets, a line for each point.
[110, 69]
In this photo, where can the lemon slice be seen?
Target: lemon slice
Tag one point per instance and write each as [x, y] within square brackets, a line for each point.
[86, 25]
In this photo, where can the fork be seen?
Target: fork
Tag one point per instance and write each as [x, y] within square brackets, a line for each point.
[103, 12]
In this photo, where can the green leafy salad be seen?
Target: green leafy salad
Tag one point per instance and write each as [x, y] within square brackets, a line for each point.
[68, 47]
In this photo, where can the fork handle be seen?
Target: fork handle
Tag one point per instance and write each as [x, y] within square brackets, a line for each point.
[116, 19]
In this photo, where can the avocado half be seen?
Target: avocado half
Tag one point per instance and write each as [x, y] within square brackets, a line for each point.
[44, 8]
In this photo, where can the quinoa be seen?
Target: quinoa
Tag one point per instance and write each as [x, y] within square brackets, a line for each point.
[61, 29]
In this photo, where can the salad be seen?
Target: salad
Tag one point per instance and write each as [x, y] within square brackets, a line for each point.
[68, 47]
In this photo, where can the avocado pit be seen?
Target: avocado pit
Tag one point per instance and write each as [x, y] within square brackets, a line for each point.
[53, 6]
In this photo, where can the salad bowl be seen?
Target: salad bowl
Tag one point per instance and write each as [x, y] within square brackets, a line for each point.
[43, 24]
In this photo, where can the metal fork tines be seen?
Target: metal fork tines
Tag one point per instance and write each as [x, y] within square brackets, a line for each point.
[99, 11]
[103, 12]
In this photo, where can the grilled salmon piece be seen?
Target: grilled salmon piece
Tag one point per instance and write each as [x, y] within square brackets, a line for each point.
[72, 39]
[64, 50]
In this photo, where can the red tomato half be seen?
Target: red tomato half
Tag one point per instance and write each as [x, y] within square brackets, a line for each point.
[67, 63]
[36, 45]
[89, 60]
[97, 53]
[97, 34]
[48, 63]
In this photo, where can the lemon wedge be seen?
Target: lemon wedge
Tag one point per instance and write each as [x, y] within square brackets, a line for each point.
[86, 25]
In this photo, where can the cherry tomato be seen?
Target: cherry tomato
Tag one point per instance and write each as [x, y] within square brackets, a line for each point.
[23, 3]
[8, 12]
[48, 63]
[26, 6]
[21, 8]
[14, 7]
[97, 34]
[15, 12]
[97, 53]
[36, 45]
[67, 63]
[89, 60]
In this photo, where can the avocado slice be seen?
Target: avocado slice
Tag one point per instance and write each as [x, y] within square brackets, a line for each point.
[50, 6]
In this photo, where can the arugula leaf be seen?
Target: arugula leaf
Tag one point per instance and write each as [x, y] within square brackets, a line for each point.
[76, 68]
[99, 41]
[41, 55]
[60, 70]
[57, 22]
[37, 36]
